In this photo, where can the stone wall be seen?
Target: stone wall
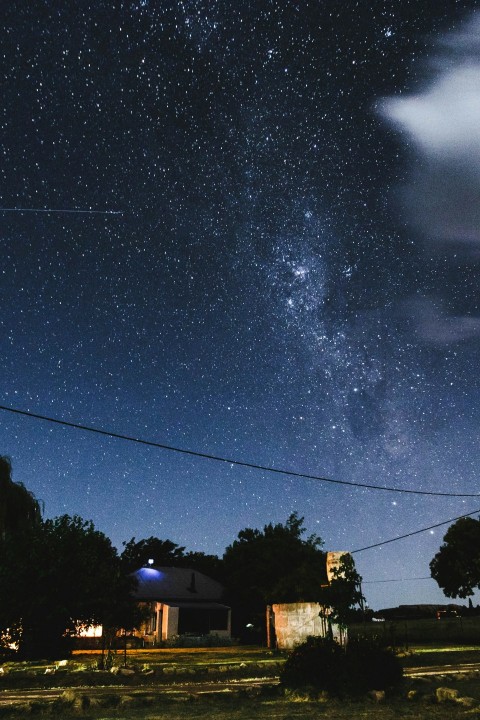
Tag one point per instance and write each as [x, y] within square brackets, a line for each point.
[294, 622]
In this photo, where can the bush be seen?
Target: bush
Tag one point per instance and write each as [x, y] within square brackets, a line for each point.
[320, 664]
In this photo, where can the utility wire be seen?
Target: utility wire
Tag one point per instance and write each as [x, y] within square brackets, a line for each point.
[371, 582]
[415, 532]
[240, 463]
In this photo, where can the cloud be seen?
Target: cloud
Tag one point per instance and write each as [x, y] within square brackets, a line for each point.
[442, 199]
[436, 326]
[443, 121]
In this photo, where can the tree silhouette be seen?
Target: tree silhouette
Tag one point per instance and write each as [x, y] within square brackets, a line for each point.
[137, 553]
[273, 565]
[19, 509]
[456, 566]
[62, 573]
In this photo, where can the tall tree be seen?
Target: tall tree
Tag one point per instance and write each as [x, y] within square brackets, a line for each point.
[343, 592]
[62, 573]
[456, 566]
[137, 553]
[19, 509]
[276, 564]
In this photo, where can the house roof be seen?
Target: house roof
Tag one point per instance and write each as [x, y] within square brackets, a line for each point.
[179, 584]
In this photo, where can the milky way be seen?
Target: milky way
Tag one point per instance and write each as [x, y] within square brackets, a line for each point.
[271, 281]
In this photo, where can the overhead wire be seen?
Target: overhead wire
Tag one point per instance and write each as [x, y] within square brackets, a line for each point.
[390, 580]
[230, 461]
[415, 532]
[290, 473]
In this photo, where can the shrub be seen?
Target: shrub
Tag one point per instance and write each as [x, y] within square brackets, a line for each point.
[320, 664]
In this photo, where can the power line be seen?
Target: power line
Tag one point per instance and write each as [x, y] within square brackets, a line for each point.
[371, 582]
[415, 532]
[239, 463]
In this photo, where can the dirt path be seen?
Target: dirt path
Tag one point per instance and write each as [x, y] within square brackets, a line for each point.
[12, 698]
[16, 697]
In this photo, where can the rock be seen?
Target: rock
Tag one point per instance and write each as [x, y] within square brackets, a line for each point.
[412, 694]
[467, 702]
[81, 703]
[376, 695]
[68, 696]
[126, 671]
[445, 694]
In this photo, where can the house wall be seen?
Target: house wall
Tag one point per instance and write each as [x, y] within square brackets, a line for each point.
[294, 622]
[163, 624]
[169, 621]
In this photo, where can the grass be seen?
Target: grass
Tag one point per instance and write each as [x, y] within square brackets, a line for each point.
[141, 702]
[281, 710]
[402, 633]
[265, 708]
[159, 656]
[431, 657]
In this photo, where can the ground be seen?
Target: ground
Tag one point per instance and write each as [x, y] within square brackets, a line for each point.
[235, 683]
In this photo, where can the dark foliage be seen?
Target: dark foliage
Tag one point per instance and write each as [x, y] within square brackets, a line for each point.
[274, 565]
[137, 553]
[62, 572]
[19, 509]
[343, 593]
[321, 664]
[456, 566]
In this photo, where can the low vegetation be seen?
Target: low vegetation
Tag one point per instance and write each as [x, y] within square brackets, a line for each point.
[320, 664]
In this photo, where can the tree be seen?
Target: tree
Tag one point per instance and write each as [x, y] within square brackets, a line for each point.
[162, 552]
[210, 565]
[19, 509]
[62, 573]
[343, 593]
[272, 566]
[456, 566]
[167, 553]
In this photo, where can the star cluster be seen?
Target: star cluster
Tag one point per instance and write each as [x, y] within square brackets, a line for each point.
[262, 294]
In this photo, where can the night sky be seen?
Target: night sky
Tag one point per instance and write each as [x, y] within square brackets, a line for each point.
[284, 270]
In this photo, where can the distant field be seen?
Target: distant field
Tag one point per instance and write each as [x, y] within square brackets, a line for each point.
[403, 633]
